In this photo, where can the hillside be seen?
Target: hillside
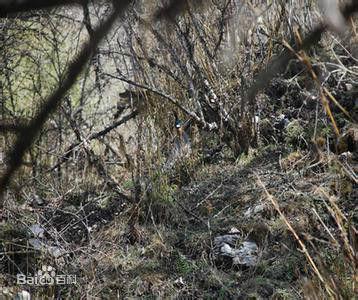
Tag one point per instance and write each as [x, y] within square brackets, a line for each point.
[179, 149]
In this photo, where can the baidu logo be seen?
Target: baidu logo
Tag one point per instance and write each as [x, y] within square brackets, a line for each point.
[46, 276]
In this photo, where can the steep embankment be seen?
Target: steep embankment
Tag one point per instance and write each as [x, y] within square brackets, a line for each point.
[219, 236]
[195, 245]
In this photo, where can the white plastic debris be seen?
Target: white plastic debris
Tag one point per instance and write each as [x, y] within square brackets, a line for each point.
[246, 255]
[228, 246]
[37, 230]
[254, 210]
[23, 295]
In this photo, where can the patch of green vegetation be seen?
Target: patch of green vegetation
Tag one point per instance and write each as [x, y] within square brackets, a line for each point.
[343, 270]
[277, 227]
[246, 159]
[128, 184]
[103, 202]
[294, 133]
[285, 269]
[161, 190]
[183, 265]
[282, 294]
[326, 131]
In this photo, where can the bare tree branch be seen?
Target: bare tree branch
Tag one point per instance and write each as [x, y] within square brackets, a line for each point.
[95, 135]
[171, 99]
[27, 136]
[12, 6]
